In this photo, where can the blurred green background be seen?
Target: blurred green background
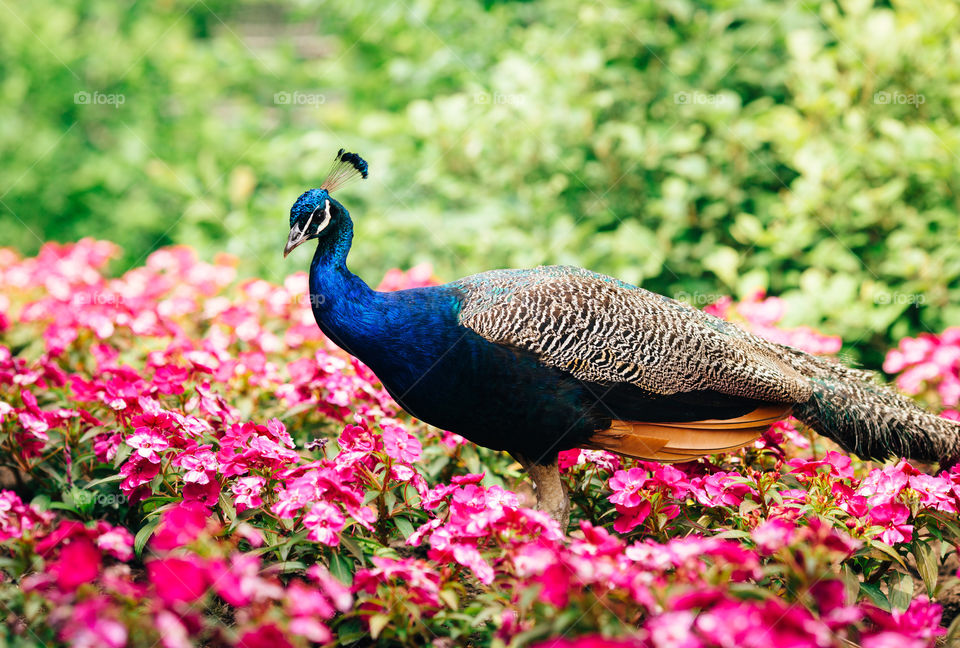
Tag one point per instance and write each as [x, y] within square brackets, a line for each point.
[809, 148]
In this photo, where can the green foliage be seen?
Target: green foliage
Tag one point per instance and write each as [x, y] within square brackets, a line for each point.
[809, 149]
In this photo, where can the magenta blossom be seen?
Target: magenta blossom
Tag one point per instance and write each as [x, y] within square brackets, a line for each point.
[178, 579]
[892, 516]
[325, 522]
[400, 444]
[627, 487]
[247, 492]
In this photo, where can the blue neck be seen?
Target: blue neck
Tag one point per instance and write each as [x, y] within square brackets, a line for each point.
[345, 307]
[399, 335]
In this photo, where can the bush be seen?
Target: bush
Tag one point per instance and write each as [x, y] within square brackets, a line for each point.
[188, 461]
[807, 150]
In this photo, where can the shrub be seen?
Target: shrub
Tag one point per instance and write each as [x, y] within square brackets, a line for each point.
[187, 460]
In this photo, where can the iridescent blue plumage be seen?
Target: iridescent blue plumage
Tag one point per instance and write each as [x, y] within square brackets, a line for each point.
[542, 360]
[306, 204]
[438, 370]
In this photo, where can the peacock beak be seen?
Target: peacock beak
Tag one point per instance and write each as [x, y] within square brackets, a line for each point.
[297, 237]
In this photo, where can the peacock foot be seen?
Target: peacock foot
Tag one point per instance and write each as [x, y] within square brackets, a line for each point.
[551, 492]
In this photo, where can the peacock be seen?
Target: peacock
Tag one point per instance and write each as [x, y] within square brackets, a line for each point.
[542, 360]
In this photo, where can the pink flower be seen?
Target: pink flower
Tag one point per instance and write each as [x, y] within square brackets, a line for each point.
[206, 494]
[400, 444]
[105, 447]
[239, 582]
[138, 472]
[835, 463]
[591, 641]
[358, 439]
[178, 579]
[265, 636]
[919, 622]
[627, 487]
[247, 491]
[567, 459]
[92, 625]
[673, 630]
[831, 596]
[116, 541]
[148, 444]
[631, 517]
[893, 517]
[721, 489]
[198, 464]
[78, 562]
[180, 526]
[773, 535]
[325, 522]
[172, 631]
[339, 594]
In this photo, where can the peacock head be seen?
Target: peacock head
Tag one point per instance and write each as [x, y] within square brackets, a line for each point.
[316, 209]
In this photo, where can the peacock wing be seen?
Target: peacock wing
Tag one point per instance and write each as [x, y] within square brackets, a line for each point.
[604, 331]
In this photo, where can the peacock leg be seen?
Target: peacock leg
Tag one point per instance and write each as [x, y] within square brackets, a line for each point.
[551, 492]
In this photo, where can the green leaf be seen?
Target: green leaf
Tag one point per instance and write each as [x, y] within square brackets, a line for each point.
[287, 566]
[887, 550]
[143, 535]
[850, 580]
[879, 598]
[123, 451]
[723, 262]
[404, 526]
[928, 565]
[353, 548]
[377, 623]
[89, 434]
[63, 506]
[342, 568]
[229, 511]
[449, 597]
[950, 525]
[105, 480]
[900, 588]
[40, 502]
[734, 533]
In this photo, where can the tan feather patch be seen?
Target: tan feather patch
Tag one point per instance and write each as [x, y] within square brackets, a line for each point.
[676, 442]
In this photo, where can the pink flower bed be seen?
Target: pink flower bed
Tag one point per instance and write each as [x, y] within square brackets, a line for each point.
[186, 460]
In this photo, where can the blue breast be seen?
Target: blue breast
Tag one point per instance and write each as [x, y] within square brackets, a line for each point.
[446, 374]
